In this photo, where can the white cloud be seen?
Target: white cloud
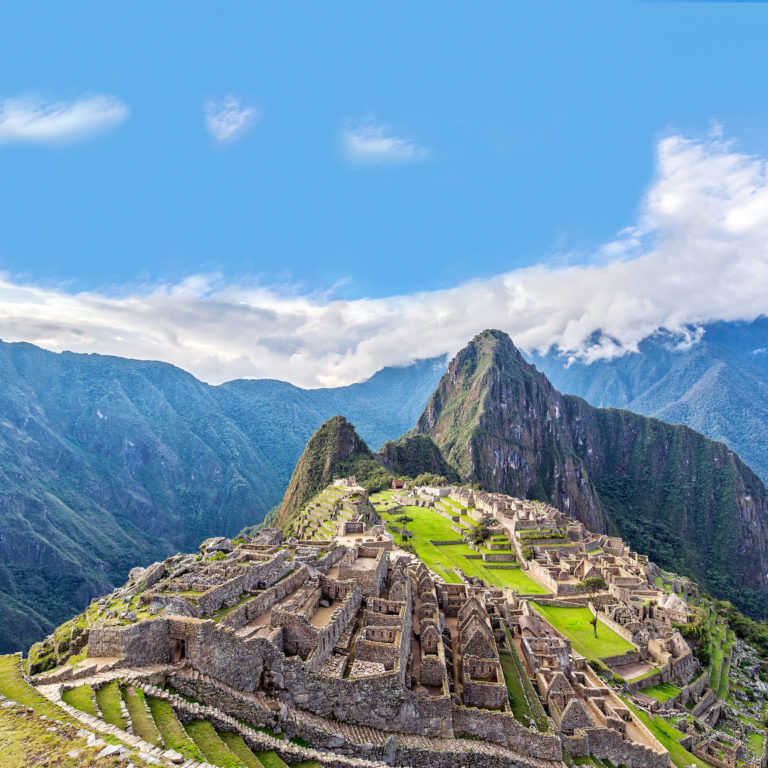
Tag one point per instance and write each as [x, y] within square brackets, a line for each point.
[698, 253]
[33, 120]
[228, 120]
[370, 143]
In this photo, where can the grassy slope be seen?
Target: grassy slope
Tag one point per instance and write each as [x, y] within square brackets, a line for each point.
[109, 698]
[28, 742]
[238, 747]
[141, 718]
[213, 748]
[661, 692]
[574, 624]
[172, 731]
[81, 698]
[16, 688]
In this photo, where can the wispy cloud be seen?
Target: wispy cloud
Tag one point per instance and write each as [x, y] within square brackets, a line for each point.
[698, 253]
[371, 143]
[229, 119]
[33, 120]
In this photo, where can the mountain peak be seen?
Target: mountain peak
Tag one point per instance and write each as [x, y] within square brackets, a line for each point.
[334, 450]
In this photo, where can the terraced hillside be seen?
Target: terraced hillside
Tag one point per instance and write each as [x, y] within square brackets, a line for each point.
[153, 725]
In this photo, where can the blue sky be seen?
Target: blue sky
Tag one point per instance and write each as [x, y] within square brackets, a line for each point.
[385, 148]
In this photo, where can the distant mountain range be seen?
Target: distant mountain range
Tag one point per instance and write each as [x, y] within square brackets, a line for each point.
[717, 385]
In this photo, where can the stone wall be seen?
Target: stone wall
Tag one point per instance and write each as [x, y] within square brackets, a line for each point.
[261, 574]
[254, 607]
[607, 744]
[138, 644]
[502, 728]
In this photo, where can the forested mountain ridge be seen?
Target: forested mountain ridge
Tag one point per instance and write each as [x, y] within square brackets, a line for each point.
[686, 501]
[108, 463]
[718, 385]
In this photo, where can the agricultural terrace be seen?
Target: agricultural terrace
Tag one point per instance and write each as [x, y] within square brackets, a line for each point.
[427, 525]
[661, 692]
[575, 624]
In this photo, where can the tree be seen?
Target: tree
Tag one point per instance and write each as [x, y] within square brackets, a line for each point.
[480, 533]
[592, 585]
[431, 479]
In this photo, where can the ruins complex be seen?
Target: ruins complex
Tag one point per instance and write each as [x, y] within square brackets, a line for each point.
[332, 635]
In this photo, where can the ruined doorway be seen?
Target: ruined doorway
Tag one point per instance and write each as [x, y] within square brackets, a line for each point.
[179, 650]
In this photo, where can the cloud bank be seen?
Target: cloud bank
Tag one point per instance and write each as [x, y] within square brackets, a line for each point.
[370, 143]
[32, 120]
[230, 119]
[698, 253]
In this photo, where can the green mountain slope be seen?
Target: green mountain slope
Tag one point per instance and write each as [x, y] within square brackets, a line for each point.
[718, 385]
[106, 463]
[685, 500]
[335, 450]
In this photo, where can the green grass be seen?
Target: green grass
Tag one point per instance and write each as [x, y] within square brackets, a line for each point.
[81, 698]
[238, 747]
[668, 736]
[108, 698]
[724, 683]
[27, 742]
[307, 764]
[16, 688]
[141, 719]
[662, 692]
[271, 760]
[208, 742]
[172, 731]
[428, 524]
[516, 687]
[574, 623]
[756, 742]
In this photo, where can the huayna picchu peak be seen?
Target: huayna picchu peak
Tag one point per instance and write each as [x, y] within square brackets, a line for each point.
[686, 501]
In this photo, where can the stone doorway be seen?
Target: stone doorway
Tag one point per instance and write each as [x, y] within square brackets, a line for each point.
[179, 650]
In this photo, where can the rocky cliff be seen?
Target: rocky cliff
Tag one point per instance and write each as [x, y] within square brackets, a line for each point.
[686, 501]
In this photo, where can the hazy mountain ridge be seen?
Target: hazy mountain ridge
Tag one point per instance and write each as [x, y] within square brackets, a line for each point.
[718, 385]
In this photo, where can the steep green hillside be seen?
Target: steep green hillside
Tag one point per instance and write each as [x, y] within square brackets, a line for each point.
[106, 463]
[411, 455]
[686, 501]
[718, 385]
[335, 450]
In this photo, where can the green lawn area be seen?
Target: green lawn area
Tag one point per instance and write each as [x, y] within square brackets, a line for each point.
[574, 623]
[172, 731]
[213, 748]
[238, 746]
[520, 689]
[661, 692]
[81, 698]
[428, 524]
[141, 719]
[270, 760]
[756, 741]
[668, 736]
[108, 698]
[16, 688]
